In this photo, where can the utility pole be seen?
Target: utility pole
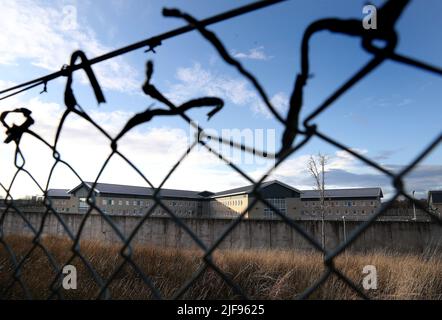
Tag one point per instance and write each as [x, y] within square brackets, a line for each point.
[345, 232]
[414, 208]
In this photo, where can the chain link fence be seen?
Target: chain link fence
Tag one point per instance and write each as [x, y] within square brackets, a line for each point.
[297, 133]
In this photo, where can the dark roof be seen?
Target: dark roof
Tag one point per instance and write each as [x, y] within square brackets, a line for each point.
[108, 188]
[436, 195]
[58, 193]
[206, 194]
[344, 193]
[249, 188]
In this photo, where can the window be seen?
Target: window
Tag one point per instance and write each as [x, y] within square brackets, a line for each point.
[134, 202]
[278, 203]
[127, 202]
[142, 203]
[103, 202]
[120, 202]
[82, 204]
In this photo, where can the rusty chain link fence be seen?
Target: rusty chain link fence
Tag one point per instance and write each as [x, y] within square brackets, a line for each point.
[297, 133]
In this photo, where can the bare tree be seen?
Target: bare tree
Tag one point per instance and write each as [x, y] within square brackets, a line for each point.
[316, 167]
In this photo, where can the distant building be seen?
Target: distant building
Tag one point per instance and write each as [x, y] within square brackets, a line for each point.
[115, 199]
[231, 203]
[60, 199]
[435, 200]
[341, 202]
[133, 200]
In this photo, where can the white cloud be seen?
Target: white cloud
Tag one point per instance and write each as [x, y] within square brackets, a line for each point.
[196, 81]
[38, 33]
[253, 54]
[154, 150]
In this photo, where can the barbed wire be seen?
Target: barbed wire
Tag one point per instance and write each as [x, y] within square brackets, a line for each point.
[293, 139]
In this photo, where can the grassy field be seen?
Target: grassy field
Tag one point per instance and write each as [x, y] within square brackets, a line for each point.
[261, 274]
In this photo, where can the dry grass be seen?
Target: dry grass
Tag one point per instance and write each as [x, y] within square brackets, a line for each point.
[261, 274]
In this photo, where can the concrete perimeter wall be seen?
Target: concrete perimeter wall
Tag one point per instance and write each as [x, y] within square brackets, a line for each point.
[257, 234]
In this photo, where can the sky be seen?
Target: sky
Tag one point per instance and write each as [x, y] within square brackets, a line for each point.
[389, 117]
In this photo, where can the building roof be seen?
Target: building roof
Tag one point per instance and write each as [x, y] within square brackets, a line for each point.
[206, 194]
[108, 188]
[58, 193]
[249, 188]
[344, 193]
[119, 189]
[436, 196]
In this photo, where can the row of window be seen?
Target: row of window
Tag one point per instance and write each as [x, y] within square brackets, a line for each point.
[338, 212]
[142, 203]
[181, 213]
[141, 212]
[226, 214]
[111, 202]
[229, 203]
[340, 203]
[138, 203]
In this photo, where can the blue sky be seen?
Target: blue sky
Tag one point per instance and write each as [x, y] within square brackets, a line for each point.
[389, 116]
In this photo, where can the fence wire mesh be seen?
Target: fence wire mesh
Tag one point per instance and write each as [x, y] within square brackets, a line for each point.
[296, 135]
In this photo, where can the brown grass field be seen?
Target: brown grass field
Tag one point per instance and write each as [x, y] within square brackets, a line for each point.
[261, 274]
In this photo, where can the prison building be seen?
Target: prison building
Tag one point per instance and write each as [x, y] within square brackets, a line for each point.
[353, 202]
[435, 201]
[60, 199]
[116, 199]
[231, 203]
